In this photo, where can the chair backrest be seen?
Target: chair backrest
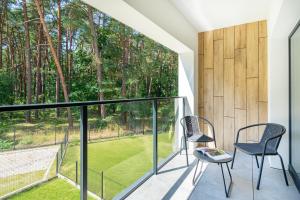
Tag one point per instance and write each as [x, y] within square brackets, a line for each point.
[190, 125]
[272, 130]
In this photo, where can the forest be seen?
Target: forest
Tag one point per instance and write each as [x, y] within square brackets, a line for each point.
[65, 50]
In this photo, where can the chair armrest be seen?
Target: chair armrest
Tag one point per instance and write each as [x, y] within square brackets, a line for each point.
[250, 126]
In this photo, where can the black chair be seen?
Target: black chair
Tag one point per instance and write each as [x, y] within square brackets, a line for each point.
[267, 146]
[192, 130]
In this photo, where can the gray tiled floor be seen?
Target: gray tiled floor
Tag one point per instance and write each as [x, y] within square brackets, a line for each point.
[175, 182]
[273, 186]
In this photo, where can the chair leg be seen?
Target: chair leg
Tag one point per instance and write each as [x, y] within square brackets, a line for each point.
[283, 169]
[227, 188]
[257, 162]
[181, 145]
[233, 157]
[260, 171]
[186, 152]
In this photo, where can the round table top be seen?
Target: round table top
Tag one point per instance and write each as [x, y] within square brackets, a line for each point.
[204, 157]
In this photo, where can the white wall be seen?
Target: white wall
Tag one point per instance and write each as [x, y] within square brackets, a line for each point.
[280, 26]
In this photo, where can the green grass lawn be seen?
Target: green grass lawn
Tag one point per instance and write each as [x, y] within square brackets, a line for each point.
[123, 161]
[54, 189]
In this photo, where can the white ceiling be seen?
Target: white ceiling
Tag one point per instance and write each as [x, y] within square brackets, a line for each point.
[207, 15]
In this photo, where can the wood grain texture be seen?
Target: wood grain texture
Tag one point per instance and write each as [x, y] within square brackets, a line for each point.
[208, 94]
[252, 108]
[263, 70]
[219, 121]
[229, 42]
[252, 49]
[218, 68]
[208, 49]
[228, 133]
[240, 78]
[262, 116]
[263, 32]
[233, 80]
[229, 87]
[201, 43]
[201, 81]
[218, 34]
[240, 122]
[240, 36]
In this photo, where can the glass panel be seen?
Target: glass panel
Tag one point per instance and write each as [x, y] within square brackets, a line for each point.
[32, 151]
[295, 100]
[167, 134]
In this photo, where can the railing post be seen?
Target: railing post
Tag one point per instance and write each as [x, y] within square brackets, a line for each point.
[57, 163]
[154, 130]
[185, 142]
[102, 185]
[76, 168]
[14, 138]
[83, 152]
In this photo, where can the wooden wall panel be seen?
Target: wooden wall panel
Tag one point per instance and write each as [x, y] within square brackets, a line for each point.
[252, 108]
[201, 43]
[228, 133]
[208, 94]
[218, 121]
[252, 49]
[263, 115]
[240, 122]
[240, 36]
[263, 70]
[240, 78]
[208, 49]
[229, 87]
[263, 32]
[233, 81]
[229, 42]
[218, 68]
[201, 81]
[218, 34]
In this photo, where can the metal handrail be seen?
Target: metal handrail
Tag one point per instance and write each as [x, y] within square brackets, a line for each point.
[8, 108]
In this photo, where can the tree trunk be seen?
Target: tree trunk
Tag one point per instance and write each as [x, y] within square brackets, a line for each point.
[27, 61]
[57, 85]
[125, 61]
[38, 68]
[97, 55]
[56, 60]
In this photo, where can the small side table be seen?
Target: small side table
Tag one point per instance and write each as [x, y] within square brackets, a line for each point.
[200, 156]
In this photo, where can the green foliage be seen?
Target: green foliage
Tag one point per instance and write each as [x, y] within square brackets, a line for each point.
[6, 87]
[6, 144]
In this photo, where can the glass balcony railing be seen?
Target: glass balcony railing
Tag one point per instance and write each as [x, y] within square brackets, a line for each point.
[108, 150]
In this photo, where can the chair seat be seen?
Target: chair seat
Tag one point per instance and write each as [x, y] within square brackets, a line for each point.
[201, 138]
[254, 149]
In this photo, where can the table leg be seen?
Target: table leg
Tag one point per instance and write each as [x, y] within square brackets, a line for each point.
[227, 190]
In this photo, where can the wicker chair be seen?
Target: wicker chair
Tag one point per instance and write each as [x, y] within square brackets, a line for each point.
[192, 130]
[267, 146]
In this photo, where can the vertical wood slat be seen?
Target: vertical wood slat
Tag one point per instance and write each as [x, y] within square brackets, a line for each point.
[218, 121]
[228, 133]
[201, 43]
[201, 81]
[252, 108]
[240, 122]
[262, 116]
[263, 70]
[252, 49]
[262, 27]
[240, 78]
[208, 94]
[229, 87]
[229, 42]
[218, 68]
[218, 34]
[240, 36]
[208, 49]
